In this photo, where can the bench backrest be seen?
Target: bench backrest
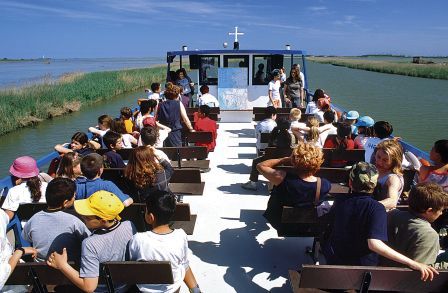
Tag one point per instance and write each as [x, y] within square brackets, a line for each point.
[382, 278]
[173, 153]
[129, 272]
[198, 136]
[213, 116]
[184, 175]
[354, 156]
[260, 110]
[284, 116]
[334, 175]
[213, 110]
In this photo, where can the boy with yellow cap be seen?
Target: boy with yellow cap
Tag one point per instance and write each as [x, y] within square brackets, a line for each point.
[108, 242]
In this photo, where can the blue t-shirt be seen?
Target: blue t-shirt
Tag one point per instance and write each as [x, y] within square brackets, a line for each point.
[357, 217]
[86, 187]
[113, 160]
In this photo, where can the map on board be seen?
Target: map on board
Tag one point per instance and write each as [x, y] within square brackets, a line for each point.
[232, 88]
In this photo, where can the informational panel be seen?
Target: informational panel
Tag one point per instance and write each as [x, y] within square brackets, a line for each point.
[232, 88]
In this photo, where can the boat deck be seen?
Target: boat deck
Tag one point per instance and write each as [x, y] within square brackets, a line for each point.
[233, 248]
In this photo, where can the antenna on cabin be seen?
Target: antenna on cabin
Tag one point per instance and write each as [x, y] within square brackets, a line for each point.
[236, 44]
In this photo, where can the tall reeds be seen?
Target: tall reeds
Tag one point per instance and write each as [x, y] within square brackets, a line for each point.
[436, 71]
[26, 105]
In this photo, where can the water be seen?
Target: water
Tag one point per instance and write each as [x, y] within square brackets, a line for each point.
[39, 140]
[26, 72]
[416, 107]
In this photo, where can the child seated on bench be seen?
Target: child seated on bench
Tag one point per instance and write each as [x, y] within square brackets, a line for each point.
[28, 188]
[108, 241]
[204, 123]
[92, 168]
[149, 137]
[113, 142]
[53, 229]
[410, 232]
[163, 244]
[359, 227]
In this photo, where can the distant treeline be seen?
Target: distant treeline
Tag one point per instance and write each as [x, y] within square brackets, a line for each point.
[435, 71]
[28, 105]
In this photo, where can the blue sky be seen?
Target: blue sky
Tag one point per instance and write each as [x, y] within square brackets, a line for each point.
[144, 28]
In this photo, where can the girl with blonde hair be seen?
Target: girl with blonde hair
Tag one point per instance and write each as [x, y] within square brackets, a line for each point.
[388, 160]
[313, 133]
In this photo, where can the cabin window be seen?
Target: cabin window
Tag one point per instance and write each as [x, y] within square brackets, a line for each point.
[237, 61]
[208, 71]
[262, 67]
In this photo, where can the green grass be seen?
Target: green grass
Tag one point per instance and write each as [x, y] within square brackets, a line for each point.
[435, 71]
[20, 107]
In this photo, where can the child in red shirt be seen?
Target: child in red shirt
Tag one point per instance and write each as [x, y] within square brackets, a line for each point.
[343, 141]
[204, 123]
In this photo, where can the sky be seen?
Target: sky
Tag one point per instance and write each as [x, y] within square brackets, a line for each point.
[149, 28]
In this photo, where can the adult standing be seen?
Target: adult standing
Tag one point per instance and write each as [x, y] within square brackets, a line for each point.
[187, 85]
[293, 89]
[170, 113]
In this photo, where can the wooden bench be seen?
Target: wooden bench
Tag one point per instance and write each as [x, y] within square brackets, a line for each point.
[352, 156]
[198, 136]
[284, 116]
[180, 157]
[364, 278]
[213, 110]
[184, 181]
[260, 110]
[182, 218]
[125, 272]
[213, 116]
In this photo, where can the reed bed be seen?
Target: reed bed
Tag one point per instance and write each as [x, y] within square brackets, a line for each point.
[435, 71]
[20, 107]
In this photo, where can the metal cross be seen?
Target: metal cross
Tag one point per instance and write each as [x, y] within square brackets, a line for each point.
[236, 33]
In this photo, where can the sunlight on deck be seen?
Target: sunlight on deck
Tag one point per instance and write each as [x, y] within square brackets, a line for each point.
[233, 248]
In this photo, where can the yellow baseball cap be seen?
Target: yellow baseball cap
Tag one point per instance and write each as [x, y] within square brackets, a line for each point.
[103, 204]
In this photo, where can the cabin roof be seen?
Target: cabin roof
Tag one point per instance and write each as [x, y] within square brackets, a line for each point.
[235, 52]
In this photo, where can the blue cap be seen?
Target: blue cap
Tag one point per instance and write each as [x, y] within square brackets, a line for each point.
[352, 115]
[365, 121]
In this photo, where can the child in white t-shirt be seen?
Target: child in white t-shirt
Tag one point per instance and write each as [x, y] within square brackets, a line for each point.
[274, 90]
[163, 244]
[28, 187]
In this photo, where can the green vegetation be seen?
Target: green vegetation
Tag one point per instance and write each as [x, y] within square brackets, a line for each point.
[23, 106]
[436, 71]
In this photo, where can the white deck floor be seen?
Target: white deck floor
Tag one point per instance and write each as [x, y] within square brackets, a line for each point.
[233, 248]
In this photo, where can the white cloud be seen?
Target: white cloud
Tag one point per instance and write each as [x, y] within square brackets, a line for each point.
[317, 8]
[347, 20]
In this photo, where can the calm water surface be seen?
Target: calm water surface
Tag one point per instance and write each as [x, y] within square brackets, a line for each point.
[26, 72]
[416, 107]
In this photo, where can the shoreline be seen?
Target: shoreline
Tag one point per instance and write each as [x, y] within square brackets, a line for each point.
[431, 71]
[28, 105]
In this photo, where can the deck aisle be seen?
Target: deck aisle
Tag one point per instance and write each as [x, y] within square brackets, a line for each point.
[233, 249]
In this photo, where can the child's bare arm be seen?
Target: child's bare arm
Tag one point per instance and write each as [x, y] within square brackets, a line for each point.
[190, 280]
[382, 249]
[61, 148]
[161, 126]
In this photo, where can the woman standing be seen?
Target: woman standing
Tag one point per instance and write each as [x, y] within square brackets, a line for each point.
[170, 113]
[293, 89]
[184, 81]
